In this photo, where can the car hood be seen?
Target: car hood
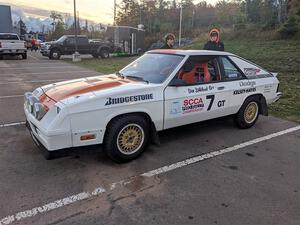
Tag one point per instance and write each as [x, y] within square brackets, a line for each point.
[63, 90]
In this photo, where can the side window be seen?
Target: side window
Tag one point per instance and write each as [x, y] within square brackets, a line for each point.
[250, 70]
[200, 70]
[70, 41]
[230, 71]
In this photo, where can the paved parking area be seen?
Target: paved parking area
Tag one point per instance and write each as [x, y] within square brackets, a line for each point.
[204, 173]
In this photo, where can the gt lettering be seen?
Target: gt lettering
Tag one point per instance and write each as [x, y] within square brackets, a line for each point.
[221, 103]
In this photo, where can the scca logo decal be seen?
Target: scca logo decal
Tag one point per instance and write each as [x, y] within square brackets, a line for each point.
[192, 105]
[192, 101]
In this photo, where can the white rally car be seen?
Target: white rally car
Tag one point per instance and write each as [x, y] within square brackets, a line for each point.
[160, 90]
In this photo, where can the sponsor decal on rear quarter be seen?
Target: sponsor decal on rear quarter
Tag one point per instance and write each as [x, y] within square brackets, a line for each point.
[242, 91]
[247, 83]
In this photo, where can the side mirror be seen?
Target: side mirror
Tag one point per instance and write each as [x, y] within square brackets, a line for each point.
[177, 82]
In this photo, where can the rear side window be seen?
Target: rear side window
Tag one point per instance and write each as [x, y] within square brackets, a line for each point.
[251, 70]
[231, 72]
[82, 41]
[9, 37]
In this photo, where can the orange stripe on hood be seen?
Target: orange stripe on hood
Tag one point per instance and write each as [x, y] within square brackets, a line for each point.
[62, 91]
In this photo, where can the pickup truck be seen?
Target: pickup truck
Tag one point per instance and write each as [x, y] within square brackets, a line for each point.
[10, 44]
[66, 46]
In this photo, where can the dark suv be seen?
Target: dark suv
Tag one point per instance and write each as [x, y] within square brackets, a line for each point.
[66, 46]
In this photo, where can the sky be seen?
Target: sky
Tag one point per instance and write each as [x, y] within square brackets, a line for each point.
[99, 11]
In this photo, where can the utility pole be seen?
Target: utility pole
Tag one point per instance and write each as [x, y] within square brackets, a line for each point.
[78, 23]
[76, 56]
[115, 10]
[180, 24]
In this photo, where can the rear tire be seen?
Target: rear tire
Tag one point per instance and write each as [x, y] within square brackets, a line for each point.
[1, 57]
[126, 138]
[248, 113]
[104, 53]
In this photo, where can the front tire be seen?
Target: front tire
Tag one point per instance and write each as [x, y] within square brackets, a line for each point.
[55, 54]
[126, 138]
[248, 113]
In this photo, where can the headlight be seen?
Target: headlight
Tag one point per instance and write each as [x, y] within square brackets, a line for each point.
[39, 111]
[30, 103]
[26, 96]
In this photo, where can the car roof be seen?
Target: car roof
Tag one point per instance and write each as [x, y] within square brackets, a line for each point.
[9, 33]
[189, 52]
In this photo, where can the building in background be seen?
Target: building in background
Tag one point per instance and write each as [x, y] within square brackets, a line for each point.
[5, 19]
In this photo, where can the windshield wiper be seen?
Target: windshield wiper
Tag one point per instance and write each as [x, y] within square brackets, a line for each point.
[137, 78]
[119, 74]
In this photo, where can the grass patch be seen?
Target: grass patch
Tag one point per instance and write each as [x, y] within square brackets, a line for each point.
[282, 56]
[106, 66]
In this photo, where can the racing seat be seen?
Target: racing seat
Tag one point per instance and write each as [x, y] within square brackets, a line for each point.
[203, 73]
[198, 74]
[187, 73]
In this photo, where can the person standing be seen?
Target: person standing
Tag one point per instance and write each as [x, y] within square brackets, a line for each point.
[33, 44]
[214, 42]
[169, 41]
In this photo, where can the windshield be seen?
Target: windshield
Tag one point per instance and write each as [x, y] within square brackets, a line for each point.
[153, 67]
[62, 38]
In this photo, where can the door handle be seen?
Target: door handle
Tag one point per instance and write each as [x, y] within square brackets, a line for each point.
[221, 88]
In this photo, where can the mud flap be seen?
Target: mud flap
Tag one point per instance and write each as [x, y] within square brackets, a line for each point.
[154, 136]
[263, 106]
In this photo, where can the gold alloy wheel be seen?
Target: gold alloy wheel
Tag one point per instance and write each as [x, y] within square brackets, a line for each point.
[251, 112]
[130, 139]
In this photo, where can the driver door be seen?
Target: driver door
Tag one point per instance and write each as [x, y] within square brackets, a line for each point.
[198, 98]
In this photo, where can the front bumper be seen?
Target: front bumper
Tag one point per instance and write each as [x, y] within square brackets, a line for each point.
[35, 140]
[45, 52]
[44, 139]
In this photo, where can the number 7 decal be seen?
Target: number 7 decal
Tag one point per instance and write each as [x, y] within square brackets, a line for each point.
[212, 98]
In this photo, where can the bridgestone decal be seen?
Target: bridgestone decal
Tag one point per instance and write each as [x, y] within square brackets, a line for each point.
[128, 99]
